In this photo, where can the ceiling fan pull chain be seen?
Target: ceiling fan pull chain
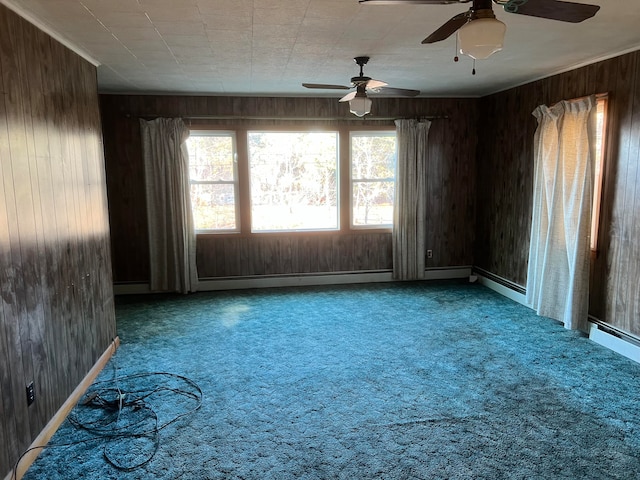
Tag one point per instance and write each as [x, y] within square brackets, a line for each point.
[512, 5]
[473, 72]
[455, 58]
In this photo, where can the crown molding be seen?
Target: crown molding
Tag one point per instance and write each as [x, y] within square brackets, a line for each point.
[31, 18]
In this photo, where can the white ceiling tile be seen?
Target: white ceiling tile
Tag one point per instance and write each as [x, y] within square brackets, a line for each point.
[130, 34]
[334, 9]
[259, 46]
[191, 52]
[294, 4]
[175, 11]
[227, 22]
[148, 50]
[124, 19]
[110, 6]
[186, 40]
[180, 28]
[229, 38]
[208, 68]
[241, 8]
[277, 16]
[164, 4]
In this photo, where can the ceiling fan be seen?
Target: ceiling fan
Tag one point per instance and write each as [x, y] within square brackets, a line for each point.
[479, 32]
[359, 101]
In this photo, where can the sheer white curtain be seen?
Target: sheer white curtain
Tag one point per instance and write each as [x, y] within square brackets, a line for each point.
[558, 271]
[409, 223]
[172, 245]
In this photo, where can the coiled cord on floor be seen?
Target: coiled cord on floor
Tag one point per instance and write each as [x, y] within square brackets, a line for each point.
[125, 409]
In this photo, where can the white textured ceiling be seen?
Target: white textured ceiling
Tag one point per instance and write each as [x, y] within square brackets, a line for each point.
[269, 47]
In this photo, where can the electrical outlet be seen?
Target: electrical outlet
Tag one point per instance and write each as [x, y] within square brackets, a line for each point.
[429, 253]
[31, 394]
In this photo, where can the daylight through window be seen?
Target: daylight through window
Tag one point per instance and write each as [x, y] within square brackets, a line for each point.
[373, 159]
[601, 129]
[293, 180]
[213, 178]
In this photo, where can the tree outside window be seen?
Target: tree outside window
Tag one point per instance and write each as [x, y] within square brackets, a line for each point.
[373, 159]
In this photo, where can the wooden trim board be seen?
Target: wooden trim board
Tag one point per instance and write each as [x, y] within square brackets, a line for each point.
[47, 432]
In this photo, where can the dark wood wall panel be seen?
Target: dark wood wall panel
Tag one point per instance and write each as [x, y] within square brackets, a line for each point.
[451, 185]
[505, 182]
[225, 256]
[57, 315]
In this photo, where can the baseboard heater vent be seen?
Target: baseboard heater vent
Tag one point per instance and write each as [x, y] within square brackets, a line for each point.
[617, 340]
[504, 287]
[502, 281]
[302, 279]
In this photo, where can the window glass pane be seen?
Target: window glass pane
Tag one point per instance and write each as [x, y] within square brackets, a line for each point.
[373, 159]
[601, 128]
[211, 157]
[213, 178]
[373, 156]
[213, 206]
[373, 203]
[294, 180]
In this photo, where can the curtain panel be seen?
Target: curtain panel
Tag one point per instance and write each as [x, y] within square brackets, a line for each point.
[172, 243]
[558, 269]
[409, 223]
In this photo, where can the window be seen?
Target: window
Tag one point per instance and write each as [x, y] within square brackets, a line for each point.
[293, 180]
[601, 129]
[213, 178]
[373, 160]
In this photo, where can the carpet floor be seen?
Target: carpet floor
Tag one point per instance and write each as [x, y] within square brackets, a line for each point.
[442, 380]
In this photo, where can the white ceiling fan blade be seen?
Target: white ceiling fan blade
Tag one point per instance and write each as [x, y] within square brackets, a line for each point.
[373, 84]
[348, 97]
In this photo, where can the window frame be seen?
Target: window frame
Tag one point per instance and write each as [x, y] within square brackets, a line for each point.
[243, 199]
[388, 132]
[235, 182]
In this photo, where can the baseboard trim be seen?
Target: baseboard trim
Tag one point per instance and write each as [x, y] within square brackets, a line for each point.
[613, 339]
[502, 288]
[47, 432]
[274, 281]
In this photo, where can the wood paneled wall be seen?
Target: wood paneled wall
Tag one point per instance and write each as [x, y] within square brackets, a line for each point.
[451, 186]
[56, 315]
[505, 179]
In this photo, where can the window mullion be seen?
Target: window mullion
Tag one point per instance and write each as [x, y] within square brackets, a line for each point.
[344, 179]
[244, 195]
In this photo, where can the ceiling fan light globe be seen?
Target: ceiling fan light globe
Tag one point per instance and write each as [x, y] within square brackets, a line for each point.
[481, 38]
[360, 106]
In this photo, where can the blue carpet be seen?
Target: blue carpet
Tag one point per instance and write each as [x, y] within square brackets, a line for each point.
[384, 381]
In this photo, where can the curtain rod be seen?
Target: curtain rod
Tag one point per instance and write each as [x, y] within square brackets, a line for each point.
[290, 119]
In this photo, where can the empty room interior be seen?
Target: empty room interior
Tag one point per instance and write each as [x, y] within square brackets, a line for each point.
[368, 239]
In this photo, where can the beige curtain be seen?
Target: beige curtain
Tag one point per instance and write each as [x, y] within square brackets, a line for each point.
[409, 230]
[172, 246]
[558, 270]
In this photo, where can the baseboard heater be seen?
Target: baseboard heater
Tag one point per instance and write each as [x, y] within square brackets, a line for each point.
[501, 285]
[303, 279]
[617, 340]
[601, 333]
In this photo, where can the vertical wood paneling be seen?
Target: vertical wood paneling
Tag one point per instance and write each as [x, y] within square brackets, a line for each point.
[505, 179]
[56, 316]
[626, 305]
[11, 356]
[617, 298]
[450, 205]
